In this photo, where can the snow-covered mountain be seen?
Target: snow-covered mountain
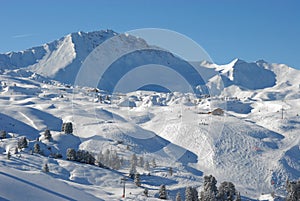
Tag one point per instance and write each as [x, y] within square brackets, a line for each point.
[254, 144]
[63, 59]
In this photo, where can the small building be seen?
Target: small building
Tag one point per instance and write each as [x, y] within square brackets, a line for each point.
[218, 111]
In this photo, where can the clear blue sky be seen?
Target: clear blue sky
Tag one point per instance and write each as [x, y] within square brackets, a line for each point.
[250, 30]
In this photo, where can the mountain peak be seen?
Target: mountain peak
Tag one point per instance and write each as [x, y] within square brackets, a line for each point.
[261, 61]
[237, 61]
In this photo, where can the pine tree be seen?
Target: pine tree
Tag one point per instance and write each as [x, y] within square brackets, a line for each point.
[162, 192]
[133, 163]
[3, 134]
[22, 143]
[71, 154]
[188, 194]
[106, 158]
[36, 148]
[8, 155]
[226, 191]
[141, 162]
[153, 163]
[170, 171]
[134, 160]
[137, 179]
[116, 162]
[146, 192]
[67, 128]
[47, 134]
[122, 161]
[195, 194]
[178, 196]
[146, 166]
[191, 194]
[210, 190]
[132, 170]
[100, 159]
[45, 168]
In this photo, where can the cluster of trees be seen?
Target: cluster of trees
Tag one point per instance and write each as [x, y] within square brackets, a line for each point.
[139, 162]
[225, 192]
[110, 159]
[81, 156]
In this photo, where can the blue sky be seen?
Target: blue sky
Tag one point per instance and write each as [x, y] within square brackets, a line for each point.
[250, 30]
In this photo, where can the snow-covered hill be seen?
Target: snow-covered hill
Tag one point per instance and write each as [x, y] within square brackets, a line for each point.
[254, 144]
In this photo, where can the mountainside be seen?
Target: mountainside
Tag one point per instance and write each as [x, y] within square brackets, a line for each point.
[251, 140]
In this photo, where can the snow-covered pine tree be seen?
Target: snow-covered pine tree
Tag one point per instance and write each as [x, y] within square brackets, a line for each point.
[67, 128]
[132, 170]
[153, 163]
[134, 160]
[3, 134]
[146, 166]
[45, 168]
[36, 148]
[47, 134]
[188, 194]
[146, 192]
[191, 194]
[178, 196]
[195, 194]
[133, 164]
[106, 158]
[137, 179]
[141, 161]
[162, 194]
[116, 162]
[71, 154]
[210, 190]
[22, 143]
[122, 161]
[226, 191]
[100, 158]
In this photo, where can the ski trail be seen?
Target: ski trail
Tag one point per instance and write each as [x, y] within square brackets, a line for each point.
[31, 122]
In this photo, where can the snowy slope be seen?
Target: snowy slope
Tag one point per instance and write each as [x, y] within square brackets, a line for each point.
[257, 80]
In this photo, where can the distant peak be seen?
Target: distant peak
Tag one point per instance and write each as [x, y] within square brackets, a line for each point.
[205, 62]
[237, 61]
[261, 61]
[94, 33]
